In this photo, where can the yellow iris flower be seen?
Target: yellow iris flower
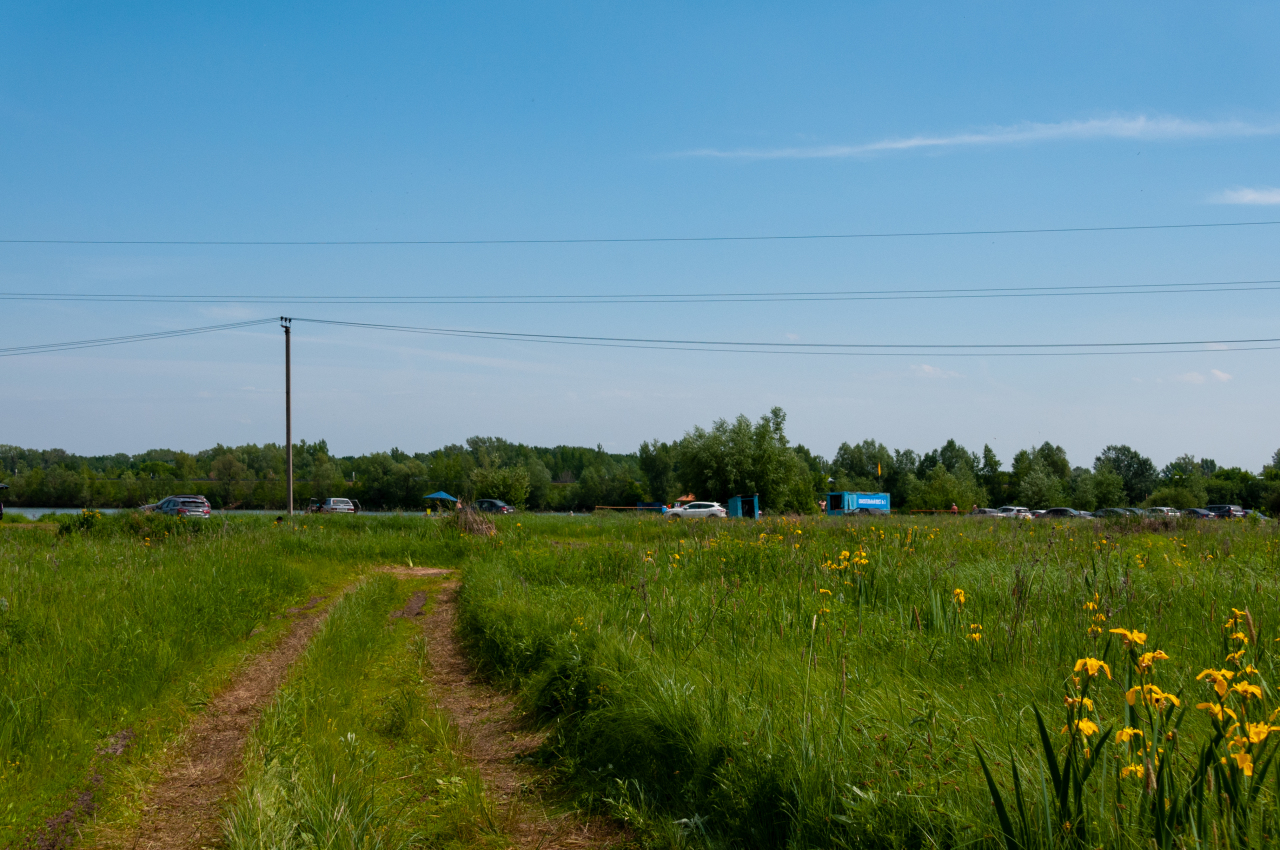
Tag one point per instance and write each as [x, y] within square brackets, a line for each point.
[1092, 665]
[1247, 690]
[1134, 636]
[1216, 709]
[1219, 678]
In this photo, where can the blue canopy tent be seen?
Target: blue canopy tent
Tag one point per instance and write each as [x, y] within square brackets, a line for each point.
[442, 496]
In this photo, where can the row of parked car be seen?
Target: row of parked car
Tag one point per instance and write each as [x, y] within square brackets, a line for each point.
[1211, 512]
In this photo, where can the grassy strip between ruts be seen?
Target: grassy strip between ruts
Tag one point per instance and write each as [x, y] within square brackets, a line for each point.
[352, 752]
[114, 630]
[824, 683]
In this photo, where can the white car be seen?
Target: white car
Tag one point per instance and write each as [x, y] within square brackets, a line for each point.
[695, 510]
[334, 506]
[1013, 512]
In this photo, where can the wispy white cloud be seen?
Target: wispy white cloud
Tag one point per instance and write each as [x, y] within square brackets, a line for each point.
[1260, 197]
[1190, 378]
[1219, 376]
[1140, 128]
[926, 371]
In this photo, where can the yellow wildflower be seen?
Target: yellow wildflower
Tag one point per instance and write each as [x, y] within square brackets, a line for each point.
[1151, 694]
[1132, 770]
[1131, 636]
[1146, 658]
[1217, 710]
[1258, 732]
[1127, 733]
[1092, 665]
[1219, 678]
[1247, 690]
[957, 595]
[1084, 726]
[1244, 761]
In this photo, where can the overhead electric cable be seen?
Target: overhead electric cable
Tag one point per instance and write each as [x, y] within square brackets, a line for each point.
[673, 297]
[44, 348]
[635, 239]
[1066, 349]
[911, 349]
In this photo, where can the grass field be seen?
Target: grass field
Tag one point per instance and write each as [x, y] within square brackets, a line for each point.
[126, 624]
[790, 683]
[827, 683]
[352, 753]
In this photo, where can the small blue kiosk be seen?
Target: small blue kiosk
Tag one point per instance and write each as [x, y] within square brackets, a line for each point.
[747, 507]
[840, 504]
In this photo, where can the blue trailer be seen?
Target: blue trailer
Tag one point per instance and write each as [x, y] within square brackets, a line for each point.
[747, 507]
[842, 503]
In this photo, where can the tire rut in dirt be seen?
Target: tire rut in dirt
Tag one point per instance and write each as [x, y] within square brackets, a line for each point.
[494, 738]
[184, 808]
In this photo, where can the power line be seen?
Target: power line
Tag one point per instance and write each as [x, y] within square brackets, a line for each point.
[16, 350]
[631, 240]
[847, 349]
[1067, 349]
[675, 297]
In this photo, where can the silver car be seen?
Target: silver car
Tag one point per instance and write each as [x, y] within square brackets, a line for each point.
[194, 507]
[695, 510]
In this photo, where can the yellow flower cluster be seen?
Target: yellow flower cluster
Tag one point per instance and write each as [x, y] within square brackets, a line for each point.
[1238, 708]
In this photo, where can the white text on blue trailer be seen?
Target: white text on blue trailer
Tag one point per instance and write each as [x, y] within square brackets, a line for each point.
[839, 504]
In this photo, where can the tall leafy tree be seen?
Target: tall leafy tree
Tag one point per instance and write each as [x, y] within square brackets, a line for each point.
[739, 458]
[1136, 470]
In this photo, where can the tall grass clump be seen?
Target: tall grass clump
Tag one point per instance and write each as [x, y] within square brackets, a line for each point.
[832, 682]
[351, 753]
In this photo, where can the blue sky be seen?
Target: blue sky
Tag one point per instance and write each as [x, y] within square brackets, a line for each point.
[489, 121]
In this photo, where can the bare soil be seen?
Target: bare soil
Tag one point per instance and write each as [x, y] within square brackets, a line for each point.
[184, 809]
[495, 737]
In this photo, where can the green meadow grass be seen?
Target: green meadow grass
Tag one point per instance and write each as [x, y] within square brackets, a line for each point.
[352, 752]
[817, 683]
[128, 622]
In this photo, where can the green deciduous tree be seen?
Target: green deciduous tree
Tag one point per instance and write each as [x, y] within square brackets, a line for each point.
[1137, 471]
[657, 463]
[739, 458]
[508, 483]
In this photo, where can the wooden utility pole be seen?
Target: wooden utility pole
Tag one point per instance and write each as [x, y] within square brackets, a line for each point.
[288, 413]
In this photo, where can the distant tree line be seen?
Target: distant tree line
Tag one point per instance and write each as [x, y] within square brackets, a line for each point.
[737, 457]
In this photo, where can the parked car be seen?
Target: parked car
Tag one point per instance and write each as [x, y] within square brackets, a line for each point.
[334, 506]
[696, 510]
[1226, 511]
[984, 512]
[195, 507]
[1013, 512]
[1198, 513]
[494, 506]
[1166, 512]
[1061, 513]
[1036, 514]
[1259, 514]
[1111, 513]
